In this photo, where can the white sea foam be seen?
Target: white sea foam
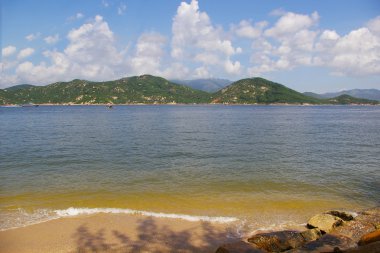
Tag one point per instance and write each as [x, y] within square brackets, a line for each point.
[17, 218]
[81, 211]
[21, 218]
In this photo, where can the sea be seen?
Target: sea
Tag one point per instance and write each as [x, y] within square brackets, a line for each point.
[254, 166]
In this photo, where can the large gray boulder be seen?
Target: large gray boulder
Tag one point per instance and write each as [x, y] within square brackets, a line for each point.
[325, 222]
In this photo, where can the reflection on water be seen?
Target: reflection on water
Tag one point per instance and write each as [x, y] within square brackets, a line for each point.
[199, 160]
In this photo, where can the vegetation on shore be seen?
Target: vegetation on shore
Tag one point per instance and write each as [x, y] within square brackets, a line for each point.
[371, 94]
[347, 99]
[260, 91]
[147, 89]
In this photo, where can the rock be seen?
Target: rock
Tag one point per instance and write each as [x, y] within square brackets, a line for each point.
[354, 229]
[239, 247]
[278, 241]
[311, 234]
[325, 222]
[372, 211]
[365, 223]
[344, 215]
[370, 238]
[370, 216]
[369, 248]
[327, 243]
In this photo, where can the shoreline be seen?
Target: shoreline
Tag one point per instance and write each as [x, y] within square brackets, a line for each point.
[189, 104]
[120, 232]
[116, 233]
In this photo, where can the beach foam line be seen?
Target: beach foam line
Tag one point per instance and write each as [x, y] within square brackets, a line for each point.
[17, 218]
[83, 211]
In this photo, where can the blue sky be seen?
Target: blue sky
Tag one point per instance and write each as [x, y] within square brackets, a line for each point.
[307, 45]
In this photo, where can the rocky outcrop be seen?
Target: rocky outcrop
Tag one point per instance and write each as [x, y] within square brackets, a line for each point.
[370, 238]
[239, 247]
[332, 231]
[370, 248]
[325, 222]
[311, 234]
[344, 215]
[365, 222]
[278, 241]
[327, 243]
[370, 216]
[354, 229]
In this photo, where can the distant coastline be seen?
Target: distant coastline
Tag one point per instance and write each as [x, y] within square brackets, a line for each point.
[147, 89]
[192, 104]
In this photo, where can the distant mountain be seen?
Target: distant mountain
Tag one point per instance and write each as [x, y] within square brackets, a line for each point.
[209, 85]
[371, 94]
[19, 87]
[260, 91]
[145, 89]
[314, 95]
[347, 99]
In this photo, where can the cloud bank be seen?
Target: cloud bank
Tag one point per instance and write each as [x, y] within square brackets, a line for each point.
[198, 48]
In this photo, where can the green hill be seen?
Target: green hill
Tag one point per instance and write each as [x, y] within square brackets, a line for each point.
[145, 89]
[19, 87]
[347, 99]
[260, 91]
[371, 94]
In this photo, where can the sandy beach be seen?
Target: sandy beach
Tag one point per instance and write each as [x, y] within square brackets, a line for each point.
[115, 233]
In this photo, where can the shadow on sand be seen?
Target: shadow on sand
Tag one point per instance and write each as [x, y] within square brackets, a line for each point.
[151, 238]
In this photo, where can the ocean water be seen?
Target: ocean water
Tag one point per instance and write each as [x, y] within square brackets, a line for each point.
[263, 166]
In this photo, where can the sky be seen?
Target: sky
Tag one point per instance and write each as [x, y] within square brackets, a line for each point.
[307, 45]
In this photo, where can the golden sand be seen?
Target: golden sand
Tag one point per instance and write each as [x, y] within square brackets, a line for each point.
[115, 233]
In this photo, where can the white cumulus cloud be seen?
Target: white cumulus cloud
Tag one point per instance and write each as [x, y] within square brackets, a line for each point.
[148, 54]
[247, 30]
[90, 54]
[52, 39]
[291, 23]
[196, 39]
[198, 48]
[289, 43]
[32, 36]
[93, 43]
[232, 67]
[192, 29]
[357, 53]
[374, 25]
[294, 40]
[8, 51]
[24, 53]
[202, 72]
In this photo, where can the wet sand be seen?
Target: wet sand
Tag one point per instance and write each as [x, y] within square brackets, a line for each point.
[115, 233]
